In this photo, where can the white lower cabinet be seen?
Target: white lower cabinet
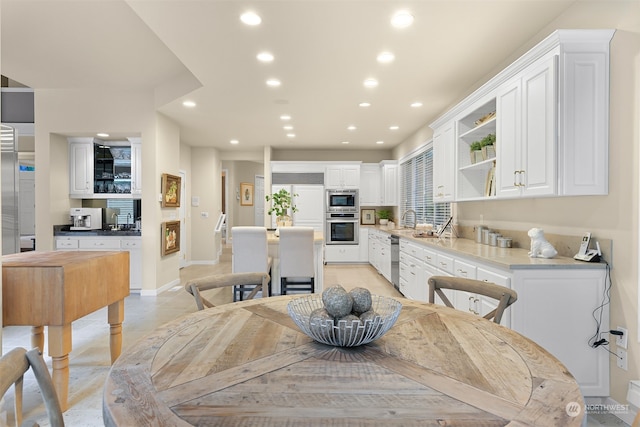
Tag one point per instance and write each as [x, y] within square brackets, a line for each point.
[131, 244]
[380, 252]
[342, 253]
[556, 307]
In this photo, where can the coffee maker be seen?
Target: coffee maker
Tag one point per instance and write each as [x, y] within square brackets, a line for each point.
[86, 218]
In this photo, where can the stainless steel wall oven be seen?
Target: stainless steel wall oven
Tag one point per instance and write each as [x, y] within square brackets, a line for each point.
[342, 228]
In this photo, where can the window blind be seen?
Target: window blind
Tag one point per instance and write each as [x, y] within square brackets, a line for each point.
[416, 191]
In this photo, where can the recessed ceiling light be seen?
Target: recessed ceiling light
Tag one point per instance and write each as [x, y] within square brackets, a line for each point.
[287, 127]
[386, 57]
[251, 18]
[234, 141]
[285, 117]
[291, 135]
[273, 83]
[379, 142]
[102, 135]
[394, 127]
[351, 127]
[416, 104]
[402, 19]
[364, 104]
[189, 104]
[370, 83]
[264, 57]
[345, 142]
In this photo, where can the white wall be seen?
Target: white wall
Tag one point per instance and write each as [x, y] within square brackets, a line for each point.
[206, 171]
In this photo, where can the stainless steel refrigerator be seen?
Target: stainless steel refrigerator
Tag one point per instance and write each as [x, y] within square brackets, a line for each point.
[10, 191]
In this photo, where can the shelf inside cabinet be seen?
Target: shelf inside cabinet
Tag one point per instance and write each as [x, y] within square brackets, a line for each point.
[479, 165]
[480, 131]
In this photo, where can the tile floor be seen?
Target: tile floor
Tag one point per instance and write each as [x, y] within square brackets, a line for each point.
[89, 360]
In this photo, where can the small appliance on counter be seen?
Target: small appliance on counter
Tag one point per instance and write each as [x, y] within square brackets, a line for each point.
[86, 218]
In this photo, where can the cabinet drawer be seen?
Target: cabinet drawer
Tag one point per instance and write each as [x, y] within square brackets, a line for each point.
[464, 269]
[444, 263]
[430, 257]
[67, 244]
[131, 244]
[490, 276]
[100, 244]
[411, 249]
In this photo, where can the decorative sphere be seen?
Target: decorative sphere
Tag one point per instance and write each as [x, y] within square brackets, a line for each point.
[337, 301]
[320, 322]
[368, 318]
[361, 300]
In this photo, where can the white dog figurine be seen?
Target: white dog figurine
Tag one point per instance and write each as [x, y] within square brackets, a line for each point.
[540, 247]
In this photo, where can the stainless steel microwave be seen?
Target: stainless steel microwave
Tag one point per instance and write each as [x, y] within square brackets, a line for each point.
[343, 201]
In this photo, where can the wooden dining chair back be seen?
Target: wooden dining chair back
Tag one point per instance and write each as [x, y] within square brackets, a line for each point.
[13, 366]
[256, 281]
[503, 295]
[297, 269]
[249, 254]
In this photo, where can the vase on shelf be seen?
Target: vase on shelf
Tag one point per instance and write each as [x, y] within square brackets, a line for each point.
[284, 221]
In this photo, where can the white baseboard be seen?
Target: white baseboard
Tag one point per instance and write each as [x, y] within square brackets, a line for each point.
[156, 292]
[625, 412]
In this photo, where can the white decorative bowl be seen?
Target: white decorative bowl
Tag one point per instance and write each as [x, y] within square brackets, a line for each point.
[344, 333]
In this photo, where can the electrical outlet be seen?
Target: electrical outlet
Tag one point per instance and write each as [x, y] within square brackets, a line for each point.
[621, 340]
[621, 359]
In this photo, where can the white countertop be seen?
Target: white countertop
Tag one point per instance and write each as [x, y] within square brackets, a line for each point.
[504, 258]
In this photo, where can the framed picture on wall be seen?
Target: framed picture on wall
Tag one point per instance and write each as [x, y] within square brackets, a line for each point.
[246, 194]
[368, 216]
[170, 191]
[170, 237]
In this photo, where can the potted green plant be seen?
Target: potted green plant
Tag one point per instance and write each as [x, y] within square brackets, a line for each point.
[281, 202]
[488, 146]
[384, 215]
[476, 152]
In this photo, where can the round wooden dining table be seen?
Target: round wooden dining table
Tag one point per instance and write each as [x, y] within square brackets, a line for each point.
[248, 364]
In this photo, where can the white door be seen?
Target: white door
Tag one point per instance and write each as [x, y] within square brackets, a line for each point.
[183, 222]
[258, 201]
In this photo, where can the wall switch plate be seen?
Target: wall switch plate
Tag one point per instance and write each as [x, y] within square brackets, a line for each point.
[621, 360]
[621, 340]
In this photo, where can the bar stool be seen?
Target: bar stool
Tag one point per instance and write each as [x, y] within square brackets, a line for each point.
[249, 254]
[297, 271]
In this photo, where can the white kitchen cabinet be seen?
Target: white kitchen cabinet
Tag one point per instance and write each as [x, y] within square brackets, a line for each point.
[443, 163]
[370, 184]
[526, 149]
[551, 125]
[389, 183]
[342, 176]
[132, 244]
[81, 168]
[136, 167]
[92, 177]
[558, 308]
[540, 312]
[342, 253]
[309, 199]
[363, 246]
[380, 252]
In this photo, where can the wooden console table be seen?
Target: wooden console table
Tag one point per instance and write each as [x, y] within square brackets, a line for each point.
[248, 364]
[55, 288]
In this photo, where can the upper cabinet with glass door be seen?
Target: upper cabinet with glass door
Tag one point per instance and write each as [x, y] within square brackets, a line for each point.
[103, 169]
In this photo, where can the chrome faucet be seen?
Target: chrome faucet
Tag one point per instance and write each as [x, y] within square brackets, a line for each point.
[115, 215]
[415, 218]
[129, 216]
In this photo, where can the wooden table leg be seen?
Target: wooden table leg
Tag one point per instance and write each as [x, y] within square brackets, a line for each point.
[116, 316]
[37, 338]
[59, 349]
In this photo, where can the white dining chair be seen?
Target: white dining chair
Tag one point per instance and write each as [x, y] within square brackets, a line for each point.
[249, 254]
[297, 270]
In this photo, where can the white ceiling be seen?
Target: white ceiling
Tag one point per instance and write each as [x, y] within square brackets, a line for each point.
[323, 51]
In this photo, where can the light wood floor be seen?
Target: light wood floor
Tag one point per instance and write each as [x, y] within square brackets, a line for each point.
[89, 359]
